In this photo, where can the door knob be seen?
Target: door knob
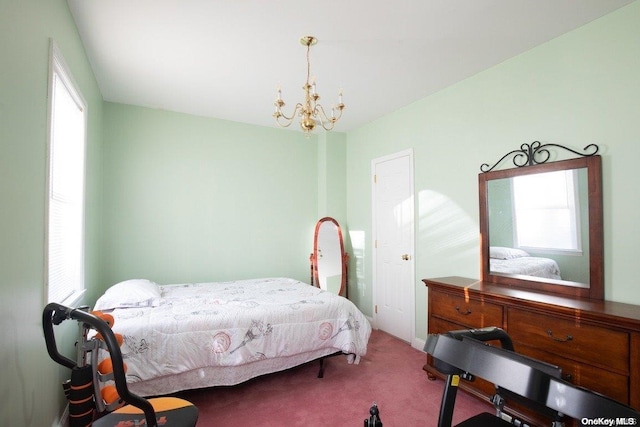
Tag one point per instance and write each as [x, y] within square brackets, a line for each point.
[405, 257]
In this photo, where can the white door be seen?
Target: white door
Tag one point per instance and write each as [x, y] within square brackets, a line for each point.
[393, 244]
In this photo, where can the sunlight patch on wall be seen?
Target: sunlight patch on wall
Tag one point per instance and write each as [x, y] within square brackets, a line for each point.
[358, 245]
[448, 238]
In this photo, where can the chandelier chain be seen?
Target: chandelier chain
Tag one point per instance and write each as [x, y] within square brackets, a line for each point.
[308, 63]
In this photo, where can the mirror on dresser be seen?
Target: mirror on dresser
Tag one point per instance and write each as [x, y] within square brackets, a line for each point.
[541, 222]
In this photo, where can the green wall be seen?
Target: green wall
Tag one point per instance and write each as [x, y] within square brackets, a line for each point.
[580, 88]
[332, 193]
[197, 199]
[30, 391]
[174, 197]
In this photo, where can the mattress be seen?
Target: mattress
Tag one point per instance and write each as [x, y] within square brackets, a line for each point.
[528, 266]
[208, 334]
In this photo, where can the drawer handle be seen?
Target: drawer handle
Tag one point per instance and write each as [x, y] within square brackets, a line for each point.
[466, 313]
[567, 338]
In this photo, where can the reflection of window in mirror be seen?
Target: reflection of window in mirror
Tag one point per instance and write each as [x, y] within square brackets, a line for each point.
[545, 214]
[546, 211]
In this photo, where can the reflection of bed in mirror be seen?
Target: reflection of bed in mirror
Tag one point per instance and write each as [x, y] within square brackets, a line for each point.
[516, 261]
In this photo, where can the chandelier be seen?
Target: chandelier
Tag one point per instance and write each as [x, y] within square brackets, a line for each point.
[310, 112]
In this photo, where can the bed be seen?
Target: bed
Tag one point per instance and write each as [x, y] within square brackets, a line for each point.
[196, 335]
[516, 261]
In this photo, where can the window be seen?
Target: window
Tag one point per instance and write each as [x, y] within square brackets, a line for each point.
[546, 211]
[65, 207]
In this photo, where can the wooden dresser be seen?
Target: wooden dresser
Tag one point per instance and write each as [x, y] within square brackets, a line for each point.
[596, 343]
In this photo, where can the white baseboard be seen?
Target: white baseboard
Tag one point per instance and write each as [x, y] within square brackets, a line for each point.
[418, 344]
[63, 421]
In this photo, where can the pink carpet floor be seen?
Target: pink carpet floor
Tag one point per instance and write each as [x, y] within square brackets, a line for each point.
[390, 374]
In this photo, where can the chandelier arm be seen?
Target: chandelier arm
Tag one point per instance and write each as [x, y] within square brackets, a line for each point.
[318, 111]
[293, 113]
[285, 124]
[327, 126]
[327, 122]
[338, 114]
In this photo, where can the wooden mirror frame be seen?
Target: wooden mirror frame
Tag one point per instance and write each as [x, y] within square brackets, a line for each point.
[344, 257]
[595, 290]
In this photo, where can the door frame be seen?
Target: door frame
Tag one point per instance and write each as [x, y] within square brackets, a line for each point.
[408, 152]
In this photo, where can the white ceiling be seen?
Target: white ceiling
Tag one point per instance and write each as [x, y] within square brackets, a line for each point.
[225, 58]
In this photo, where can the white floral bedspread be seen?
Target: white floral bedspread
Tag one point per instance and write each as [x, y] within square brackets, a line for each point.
[230, 324]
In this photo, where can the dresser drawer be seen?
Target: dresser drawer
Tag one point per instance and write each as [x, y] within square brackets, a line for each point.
[608, 383]
[439, 326]
[466, 312]
[601, 347]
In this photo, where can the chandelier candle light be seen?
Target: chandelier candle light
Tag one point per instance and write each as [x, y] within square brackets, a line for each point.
[310, 112]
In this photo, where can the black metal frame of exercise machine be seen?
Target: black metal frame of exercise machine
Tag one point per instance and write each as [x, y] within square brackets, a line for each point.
[86, 404]
[465, 354]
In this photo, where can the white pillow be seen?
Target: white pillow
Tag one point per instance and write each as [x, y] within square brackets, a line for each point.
[130, 293]
[499, 252]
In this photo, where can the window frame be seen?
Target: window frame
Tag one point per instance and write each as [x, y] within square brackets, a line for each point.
[59, 73]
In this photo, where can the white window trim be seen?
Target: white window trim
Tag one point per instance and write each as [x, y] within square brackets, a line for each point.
[58, 66]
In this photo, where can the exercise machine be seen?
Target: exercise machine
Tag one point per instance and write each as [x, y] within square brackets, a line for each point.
[97, 390]
[466, 354]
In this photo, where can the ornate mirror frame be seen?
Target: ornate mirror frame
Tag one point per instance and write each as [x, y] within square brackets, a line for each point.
[532, 159]
[328, 246]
